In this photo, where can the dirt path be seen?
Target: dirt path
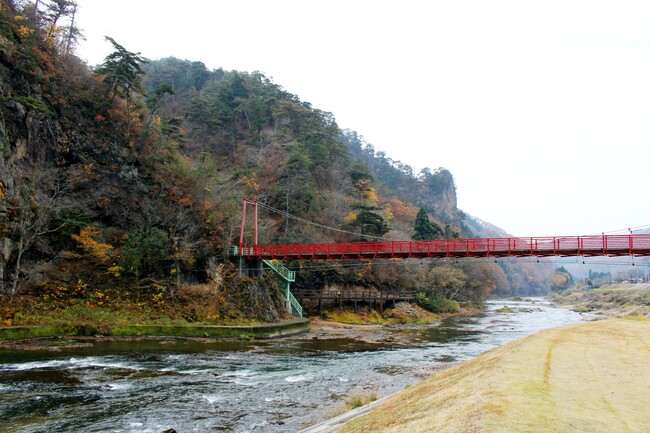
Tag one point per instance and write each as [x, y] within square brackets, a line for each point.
[589, 377]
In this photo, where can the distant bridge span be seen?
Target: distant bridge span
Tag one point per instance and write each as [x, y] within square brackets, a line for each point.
[589, 245]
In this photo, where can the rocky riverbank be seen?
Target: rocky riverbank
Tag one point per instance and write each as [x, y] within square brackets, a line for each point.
[372, 328]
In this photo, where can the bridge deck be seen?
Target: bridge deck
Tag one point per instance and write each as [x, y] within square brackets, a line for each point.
[591, 245]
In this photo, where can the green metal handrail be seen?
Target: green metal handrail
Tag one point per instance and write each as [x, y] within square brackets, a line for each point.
[295, 304]
[288, 275]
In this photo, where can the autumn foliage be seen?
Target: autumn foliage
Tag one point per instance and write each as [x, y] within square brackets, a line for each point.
[143, 166]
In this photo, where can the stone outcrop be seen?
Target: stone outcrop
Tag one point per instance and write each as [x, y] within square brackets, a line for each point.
[437, 194]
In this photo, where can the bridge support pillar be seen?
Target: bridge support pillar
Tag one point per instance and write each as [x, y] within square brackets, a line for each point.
[250, 268]
[288, 297]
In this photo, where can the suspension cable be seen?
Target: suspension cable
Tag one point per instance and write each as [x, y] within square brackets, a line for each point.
[309, 222]
[628, 229]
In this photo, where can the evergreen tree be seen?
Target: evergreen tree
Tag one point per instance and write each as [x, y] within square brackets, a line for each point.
[370, 223]
[425, 229]
[122, 71]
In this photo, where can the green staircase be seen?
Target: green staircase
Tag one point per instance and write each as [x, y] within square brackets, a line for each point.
[288, 276]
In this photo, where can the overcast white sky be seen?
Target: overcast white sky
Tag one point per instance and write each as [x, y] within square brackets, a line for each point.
[541, 110]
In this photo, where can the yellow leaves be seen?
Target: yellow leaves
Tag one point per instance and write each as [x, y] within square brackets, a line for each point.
[115, 270]
[80, 288]
[62, 292]
[24, 31]
[86, 241]
[370, 195]
[158, 299]
[350, 218]
[100, 298]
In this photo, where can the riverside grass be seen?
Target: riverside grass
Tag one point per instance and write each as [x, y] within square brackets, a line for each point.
[588, 377]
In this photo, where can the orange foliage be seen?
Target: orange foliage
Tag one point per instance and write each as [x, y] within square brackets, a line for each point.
[97, 250]
[399, 210]
[118, 113]
[185, 201]
[44, 61]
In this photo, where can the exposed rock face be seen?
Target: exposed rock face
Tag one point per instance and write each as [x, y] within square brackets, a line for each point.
[52, 155]
[437, 194]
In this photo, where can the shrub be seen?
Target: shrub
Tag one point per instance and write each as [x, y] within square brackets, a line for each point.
[358, 399]
[437, 303]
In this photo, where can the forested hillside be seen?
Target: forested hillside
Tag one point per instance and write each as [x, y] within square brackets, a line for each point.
[127, 179]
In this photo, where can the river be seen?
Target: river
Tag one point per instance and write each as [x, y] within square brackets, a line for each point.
[281, 385]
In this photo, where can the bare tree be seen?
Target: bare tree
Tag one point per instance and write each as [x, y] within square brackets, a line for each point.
[35, 205]
[184, 236]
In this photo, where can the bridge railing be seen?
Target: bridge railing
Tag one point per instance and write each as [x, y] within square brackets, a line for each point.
[355, 294]
[634, 244]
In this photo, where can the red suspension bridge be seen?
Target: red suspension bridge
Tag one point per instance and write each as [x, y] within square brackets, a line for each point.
[253, 259]
[587, 245]
[590, 245]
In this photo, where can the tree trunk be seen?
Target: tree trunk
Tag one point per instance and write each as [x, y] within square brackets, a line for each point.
[69, 41]
[16, 277]
[178, 275]
[35, 11]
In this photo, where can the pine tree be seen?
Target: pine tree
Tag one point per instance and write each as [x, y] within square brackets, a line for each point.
[122, 71]
[425, 229]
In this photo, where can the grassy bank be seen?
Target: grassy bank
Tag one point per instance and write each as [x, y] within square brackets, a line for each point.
[618, 300]
[589, 377]
[282, 328]
[240, 302]
[246, 308]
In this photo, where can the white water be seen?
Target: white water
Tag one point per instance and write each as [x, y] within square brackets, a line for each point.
[264, 386]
